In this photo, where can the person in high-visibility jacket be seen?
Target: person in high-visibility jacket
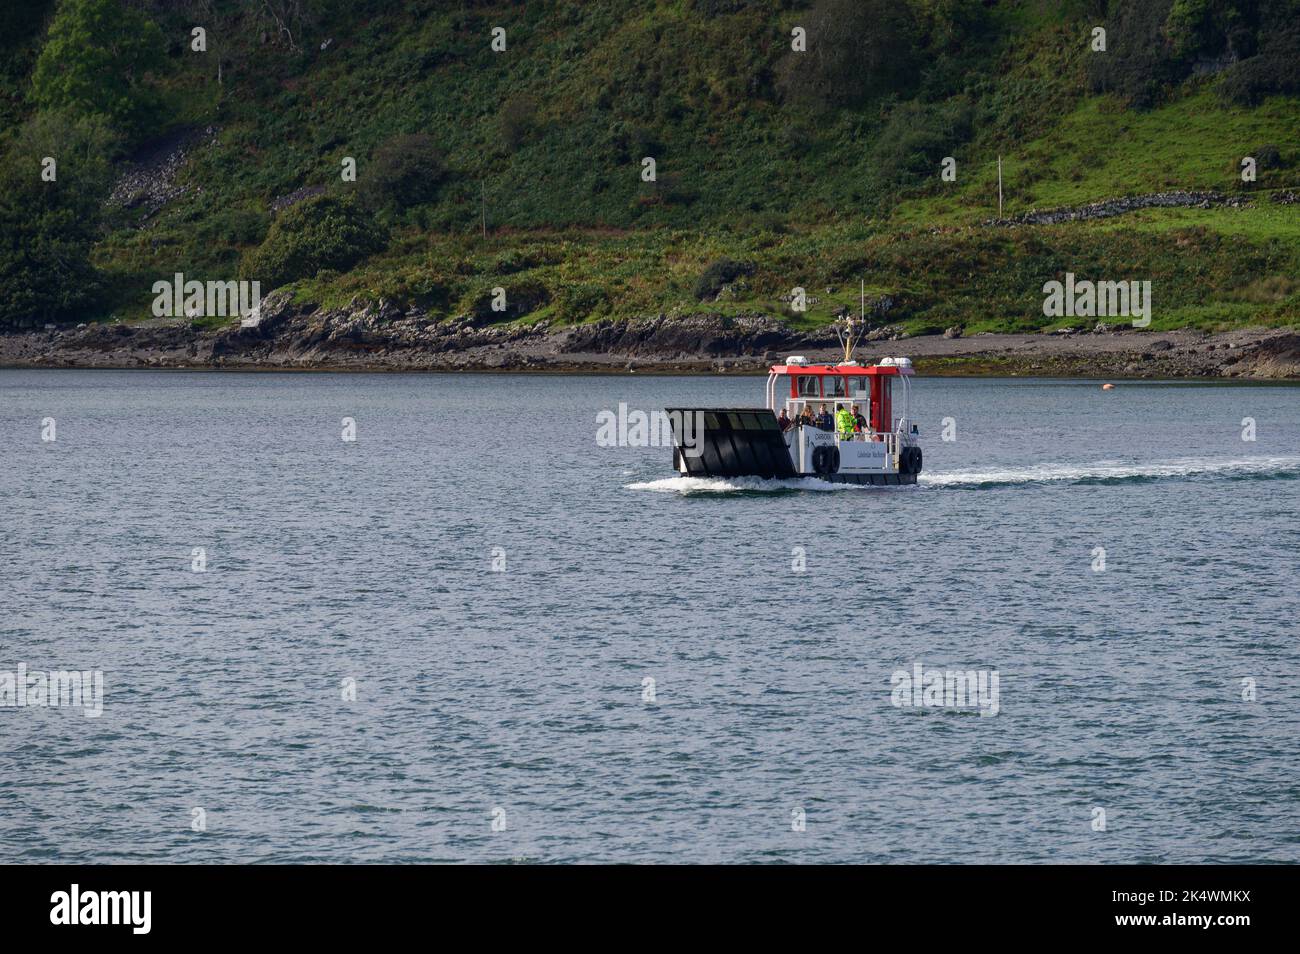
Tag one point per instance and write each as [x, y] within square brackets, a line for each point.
[844, 423]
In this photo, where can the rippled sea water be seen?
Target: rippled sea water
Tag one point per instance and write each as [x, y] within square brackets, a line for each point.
[517, 696]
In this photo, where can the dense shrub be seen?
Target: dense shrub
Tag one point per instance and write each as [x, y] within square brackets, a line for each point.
[918, 136]
[579, 302]
[720, 273]
[1206, 28]
[517, 121]
[317, 234]
[405, 171]
[668, 189]
[768, 220]
[522, 259]
[713, 8]
[955, 38]
[857, 50]
[1139, 63]
[1276, 69]
[947, 26]
[1267, 157]
[232, 226]
[522, 297]
[1154, 44]
[634, 141]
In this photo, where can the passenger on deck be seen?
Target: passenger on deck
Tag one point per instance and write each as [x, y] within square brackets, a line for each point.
[805, 417]
[824, 419]
[859, 422]
[784, 420]
[844, 421]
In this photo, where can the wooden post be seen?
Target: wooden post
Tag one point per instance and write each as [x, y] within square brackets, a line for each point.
[999, 187]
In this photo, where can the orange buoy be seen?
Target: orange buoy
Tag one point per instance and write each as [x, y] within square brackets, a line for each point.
[1108, 387]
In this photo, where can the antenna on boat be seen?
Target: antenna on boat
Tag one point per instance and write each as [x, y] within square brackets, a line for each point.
[850, 330]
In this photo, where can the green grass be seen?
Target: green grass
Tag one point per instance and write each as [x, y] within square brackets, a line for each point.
[1209, 268]
[1101, 151]
[815, 199]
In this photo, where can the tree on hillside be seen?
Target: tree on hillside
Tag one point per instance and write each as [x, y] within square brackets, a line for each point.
[96, 60]
[406, 171]
[320, 233]
[857, 50]
[1156, 44]
[1275, 66]
[1140, 64]
[47, 228]
[948, 25]
[21, 26]
[1211, 27]
[291, 18]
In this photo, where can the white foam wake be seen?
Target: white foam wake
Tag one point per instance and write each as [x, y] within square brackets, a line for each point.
[1115, 470]
[1039, 473]
[731, 485]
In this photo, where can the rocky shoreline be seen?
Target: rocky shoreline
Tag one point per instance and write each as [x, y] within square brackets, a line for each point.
[383, 337]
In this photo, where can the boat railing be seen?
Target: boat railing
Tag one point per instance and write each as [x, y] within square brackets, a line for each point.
[889, 440]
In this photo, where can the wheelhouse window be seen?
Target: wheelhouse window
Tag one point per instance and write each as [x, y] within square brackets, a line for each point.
[834, 386]
[808, 386]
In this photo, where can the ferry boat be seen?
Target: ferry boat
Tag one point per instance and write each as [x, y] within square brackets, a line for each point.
[750, 442]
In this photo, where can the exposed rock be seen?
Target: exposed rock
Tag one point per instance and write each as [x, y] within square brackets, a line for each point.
[1277, 357]
[282, 202]
[390, 335]
[149, 181]
[696, 334]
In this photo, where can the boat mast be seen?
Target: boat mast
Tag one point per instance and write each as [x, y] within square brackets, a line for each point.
[849, 330]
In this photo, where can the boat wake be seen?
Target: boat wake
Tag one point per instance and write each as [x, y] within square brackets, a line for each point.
[741, 485]
[1102, 472]
[1116, 472]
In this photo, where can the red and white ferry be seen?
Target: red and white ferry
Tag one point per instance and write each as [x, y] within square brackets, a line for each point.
[880, 447]
[857, 435]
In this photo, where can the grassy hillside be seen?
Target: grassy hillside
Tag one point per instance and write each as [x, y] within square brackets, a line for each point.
[803, 168]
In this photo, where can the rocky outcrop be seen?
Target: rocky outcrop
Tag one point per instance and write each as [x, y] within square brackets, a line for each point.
[385, 335]
[149, 181]
[1275, 358]
[282, 202]
[692, 335]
